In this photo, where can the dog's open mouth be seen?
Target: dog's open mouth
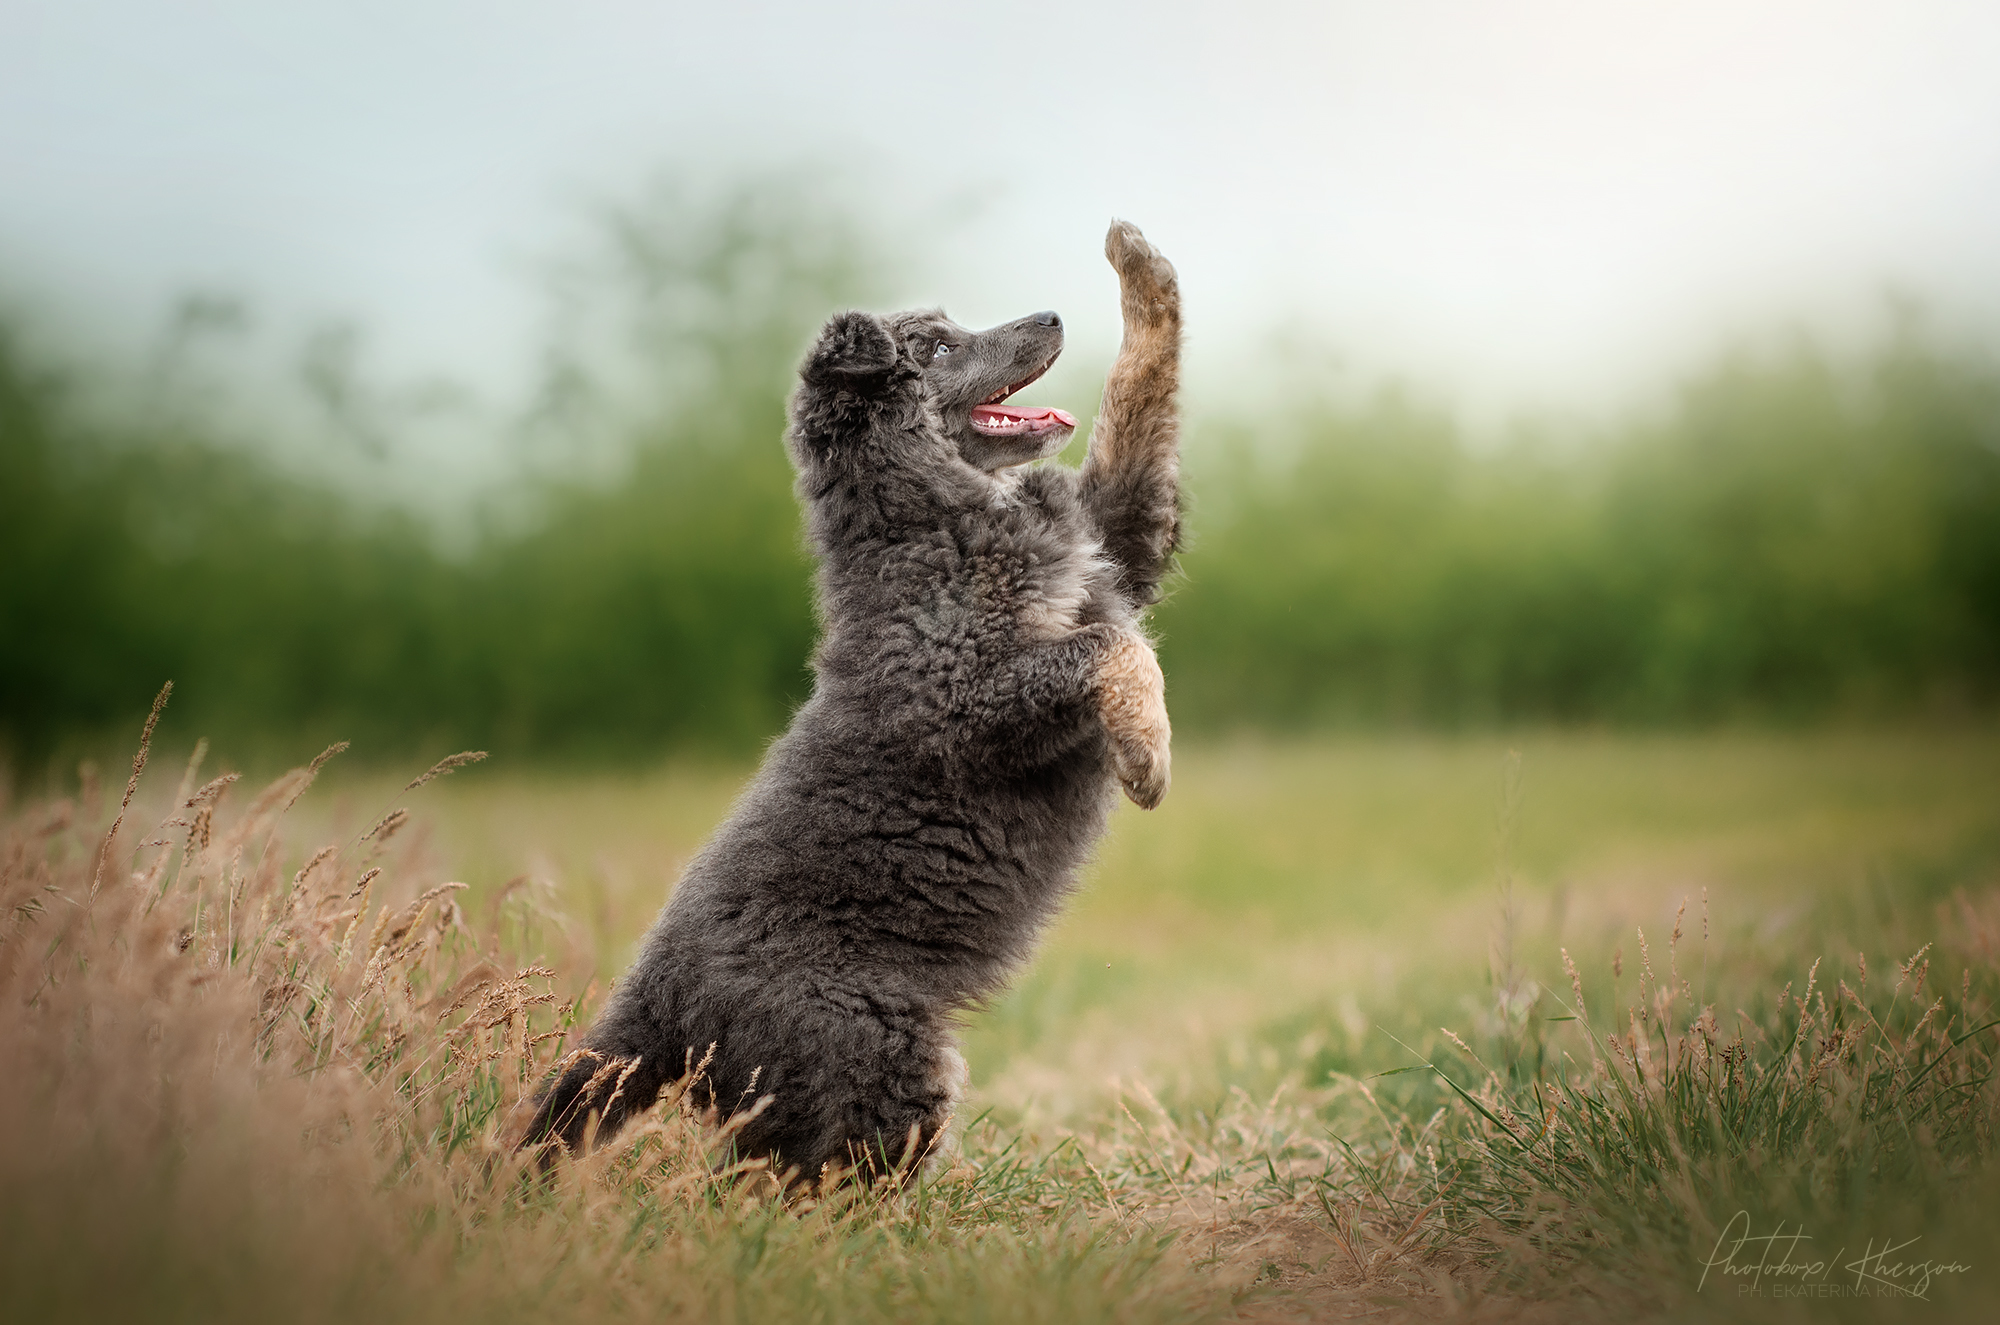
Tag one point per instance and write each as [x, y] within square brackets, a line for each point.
[993, 419]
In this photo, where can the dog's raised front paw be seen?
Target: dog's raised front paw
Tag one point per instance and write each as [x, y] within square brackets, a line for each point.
[1149, 288]
[1132, 696]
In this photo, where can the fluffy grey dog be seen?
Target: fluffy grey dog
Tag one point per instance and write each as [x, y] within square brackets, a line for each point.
[981, 691]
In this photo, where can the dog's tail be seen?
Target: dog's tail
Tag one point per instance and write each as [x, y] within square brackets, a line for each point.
[593, 1095]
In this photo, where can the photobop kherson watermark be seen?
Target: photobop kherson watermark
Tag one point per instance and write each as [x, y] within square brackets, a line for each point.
[1783, 1265]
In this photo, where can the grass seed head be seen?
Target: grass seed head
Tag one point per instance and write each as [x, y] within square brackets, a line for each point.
[448, 764]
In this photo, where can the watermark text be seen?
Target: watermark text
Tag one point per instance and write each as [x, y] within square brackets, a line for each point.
[1784, 1264]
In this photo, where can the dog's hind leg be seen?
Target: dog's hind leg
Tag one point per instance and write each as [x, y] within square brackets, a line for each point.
[951, 1077]
[1131, 476]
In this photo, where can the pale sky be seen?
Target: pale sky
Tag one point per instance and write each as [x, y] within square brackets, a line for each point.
[1521, 202]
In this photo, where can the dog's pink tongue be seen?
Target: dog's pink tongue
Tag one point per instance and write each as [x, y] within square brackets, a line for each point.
[1026, 414]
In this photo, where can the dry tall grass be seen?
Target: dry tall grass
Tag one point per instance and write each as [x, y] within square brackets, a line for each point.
[239, 1088]
[248, 1080]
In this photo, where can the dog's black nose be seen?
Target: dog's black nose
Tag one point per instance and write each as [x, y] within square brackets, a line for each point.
[1047, 318]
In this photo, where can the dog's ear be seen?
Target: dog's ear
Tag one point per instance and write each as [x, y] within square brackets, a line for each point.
[854, 352]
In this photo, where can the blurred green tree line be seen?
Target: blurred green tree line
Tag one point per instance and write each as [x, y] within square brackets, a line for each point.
[1797, 535]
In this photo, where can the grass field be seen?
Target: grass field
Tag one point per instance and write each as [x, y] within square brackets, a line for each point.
[1197, 1103]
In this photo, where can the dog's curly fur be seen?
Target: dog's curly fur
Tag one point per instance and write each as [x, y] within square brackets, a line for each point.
[982, 690]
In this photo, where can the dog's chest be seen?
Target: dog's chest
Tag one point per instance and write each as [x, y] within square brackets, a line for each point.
[1055, 593]
[989, 590]
[1042, 578]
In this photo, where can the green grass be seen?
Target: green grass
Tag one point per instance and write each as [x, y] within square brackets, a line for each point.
[1282, 874]
[1300, 1047]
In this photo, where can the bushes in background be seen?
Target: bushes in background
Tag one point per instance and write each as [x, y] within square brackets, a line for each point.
[1794, 536]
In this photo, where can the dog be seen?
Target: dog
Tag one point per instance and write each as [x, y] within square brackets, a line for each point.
[982, 690]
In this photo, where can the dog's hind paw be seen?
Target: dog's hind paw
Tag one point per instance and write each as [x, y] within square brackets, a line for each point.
[1149, 287]
[1132, 696]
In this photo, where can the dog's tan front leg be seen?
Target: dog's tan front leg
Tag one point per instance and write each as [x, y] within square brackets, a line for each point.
[1132, 696]
[1131, 477]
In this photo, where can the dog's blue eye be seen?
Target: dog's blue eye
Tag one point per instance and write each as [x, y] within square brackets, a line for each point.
[941, 350]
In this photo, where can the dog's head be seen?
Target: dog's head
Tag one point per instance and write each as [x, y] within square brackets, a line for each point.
[964, 375]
